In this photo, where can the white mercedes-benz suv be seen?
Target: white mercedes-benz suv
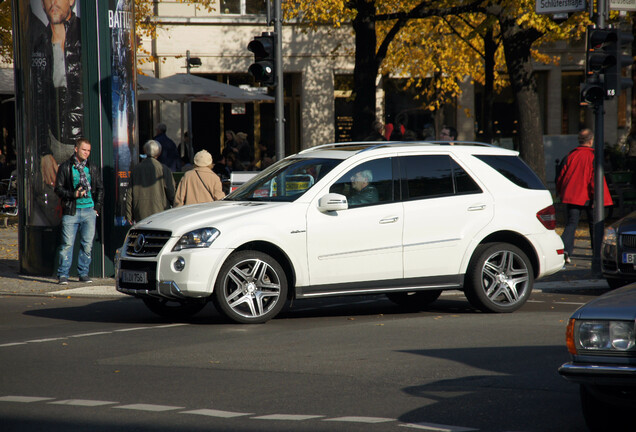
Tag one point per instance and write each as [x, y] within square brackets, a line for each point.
[407, 219]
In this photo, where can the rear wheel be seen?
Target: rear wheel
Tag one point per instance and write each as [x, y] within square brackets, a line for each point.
[499, 278]
[415, 300]
[173, 309]
[251, 288]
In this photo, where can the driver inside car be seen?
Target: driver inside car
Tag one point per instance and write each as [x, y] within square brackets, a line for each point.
[363, 191]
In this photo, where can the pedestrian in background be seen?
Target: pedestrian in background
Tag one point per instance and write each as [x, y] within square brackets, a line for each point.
[151, 188]
[448, 133]
[377, 132]
[169, 152]
[78, 183]
[575, 186]
[201, 184]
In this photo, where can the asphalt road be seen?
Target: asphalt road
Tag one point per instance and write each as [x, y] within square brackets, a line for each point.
[363, 364]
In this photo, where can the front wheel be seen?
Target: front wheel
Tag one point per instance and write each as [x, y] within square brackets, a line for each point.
[173, 309]
[251, 288]
[499, 278]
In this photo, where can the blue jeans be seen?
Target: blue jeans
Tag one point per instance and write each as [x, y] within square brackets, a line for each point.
[84, 221]
[573, 214]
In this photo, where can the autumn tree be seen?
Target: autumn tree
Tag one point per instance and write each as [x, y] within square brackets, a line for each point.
[427, 40]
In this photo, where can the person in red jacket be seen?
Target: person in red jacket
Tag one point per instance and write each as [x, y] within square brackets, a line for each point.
[575, 186]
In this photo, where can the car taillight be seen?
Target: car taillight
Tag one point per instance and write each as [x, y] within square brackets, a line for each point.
[547, 217]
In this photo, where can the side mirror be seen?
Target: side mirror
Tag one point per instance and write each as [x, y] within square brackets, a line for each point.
[332, 202]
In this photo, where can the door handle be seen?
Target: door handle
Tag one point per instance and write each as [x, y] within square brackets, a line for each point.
[477, 207]
[389, 220]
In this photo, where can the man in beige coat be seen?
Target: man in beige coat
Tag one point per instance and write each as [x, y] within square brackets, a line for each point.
[200, 184]
[151, 188]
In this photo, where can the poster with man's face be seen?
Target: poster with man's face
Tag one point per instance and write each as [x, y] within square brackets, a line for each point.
[56, 101]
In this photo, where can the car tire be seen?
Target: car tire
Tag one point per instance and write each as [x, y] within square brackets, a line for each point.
[251, 288]
[414, 300]
[173, 309]
[499, 278]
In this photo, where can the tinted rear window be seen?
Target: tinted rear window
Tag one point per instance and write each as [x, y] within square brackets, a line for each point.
[514, 169]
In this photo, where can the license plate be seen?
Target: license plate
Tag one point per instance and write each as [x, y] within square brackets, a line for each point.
[629, 258]
[136, 277]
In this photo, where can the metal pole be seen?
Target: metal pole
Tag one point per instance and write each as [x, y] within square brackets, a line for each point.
[190, 134]
[279, 109]
[599, 209]
[599, 156]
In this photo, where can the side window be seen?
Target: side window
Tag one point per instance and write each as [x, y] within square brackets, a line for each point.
[514, 169]
[464, 183]
[429, 176]
[368, 183]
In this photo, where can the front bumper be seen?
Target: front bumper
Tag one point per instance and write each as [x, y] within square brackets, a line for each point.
[599, 374]
[164, 280]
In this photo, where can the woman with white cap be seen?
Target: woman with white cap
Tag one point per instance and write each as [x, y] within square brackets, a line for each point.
[200, 184]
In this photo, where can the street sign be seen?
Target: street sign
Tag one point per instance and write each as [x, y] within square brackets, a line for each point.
[560, 6]
[626, 5]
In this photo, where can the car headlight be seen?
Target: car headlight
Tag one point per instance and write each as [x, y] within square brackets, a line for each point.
[200, 238]
[609, 237]
[599, 335]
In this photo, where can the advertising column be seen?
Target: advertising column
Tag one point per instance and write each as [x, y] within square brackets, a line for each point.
[120, 23]
[75, 77]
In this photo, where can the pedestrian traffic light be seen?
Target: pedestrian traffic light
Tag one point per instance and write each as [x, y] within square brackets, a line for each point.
[614, 80]
[263, 69]
[592, 94]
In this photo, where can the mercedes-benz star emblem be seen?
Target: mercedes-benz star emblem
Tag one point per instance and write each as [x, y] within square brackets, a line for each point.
[139, 243]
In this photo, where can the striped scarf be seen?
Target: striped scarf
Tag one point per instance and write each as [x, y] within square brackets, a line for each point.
[83, 181]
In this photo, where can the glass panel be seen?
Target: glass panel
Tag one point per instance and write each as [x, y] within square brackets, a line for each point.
[464, 184]
[255, 7]
[286, 180]
[428, 176]
[514, 169]
[231, 7]
[368, 183]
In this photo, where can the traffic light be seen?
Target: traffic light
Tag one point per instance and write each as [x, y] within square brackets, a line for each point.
[263, 69]
[614, 80]
[600, 57]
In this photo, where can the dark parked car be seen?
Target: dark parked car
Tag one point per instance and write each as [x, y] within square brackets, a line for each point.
[619, 252]
[600, 337]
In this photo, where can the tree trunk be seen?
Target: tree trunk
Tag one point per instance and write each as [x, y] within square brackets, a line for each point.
[490, 49]
[517, 43]
[366, 70]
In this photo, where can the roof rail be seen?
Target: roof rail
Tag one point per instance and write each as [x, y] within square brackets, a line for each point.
[371, 145]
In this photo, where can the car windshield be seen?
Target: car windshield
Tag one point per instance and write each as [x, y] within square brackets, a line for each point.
[285, 181]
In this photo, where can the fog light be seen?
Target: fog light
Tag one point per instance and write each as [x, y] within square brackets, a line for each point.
[179, 264]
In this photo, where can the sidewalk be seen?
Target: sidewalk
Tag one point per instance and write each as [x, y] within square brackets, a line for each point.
[575, 276]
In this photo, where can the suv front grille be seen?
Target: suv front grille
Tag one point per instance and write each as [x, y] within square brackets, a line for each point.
[145, 243]
[629, 240]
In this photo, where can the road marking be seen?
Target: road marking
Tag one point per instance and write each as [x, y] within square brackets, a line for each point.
[356, 419]
[99, 333]
[83, 402]
[216, 413]
[292, 417]
[24, 399]
[149, 407]
[437, 427]
[231, 414]
[93, 291]
[91, 334]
